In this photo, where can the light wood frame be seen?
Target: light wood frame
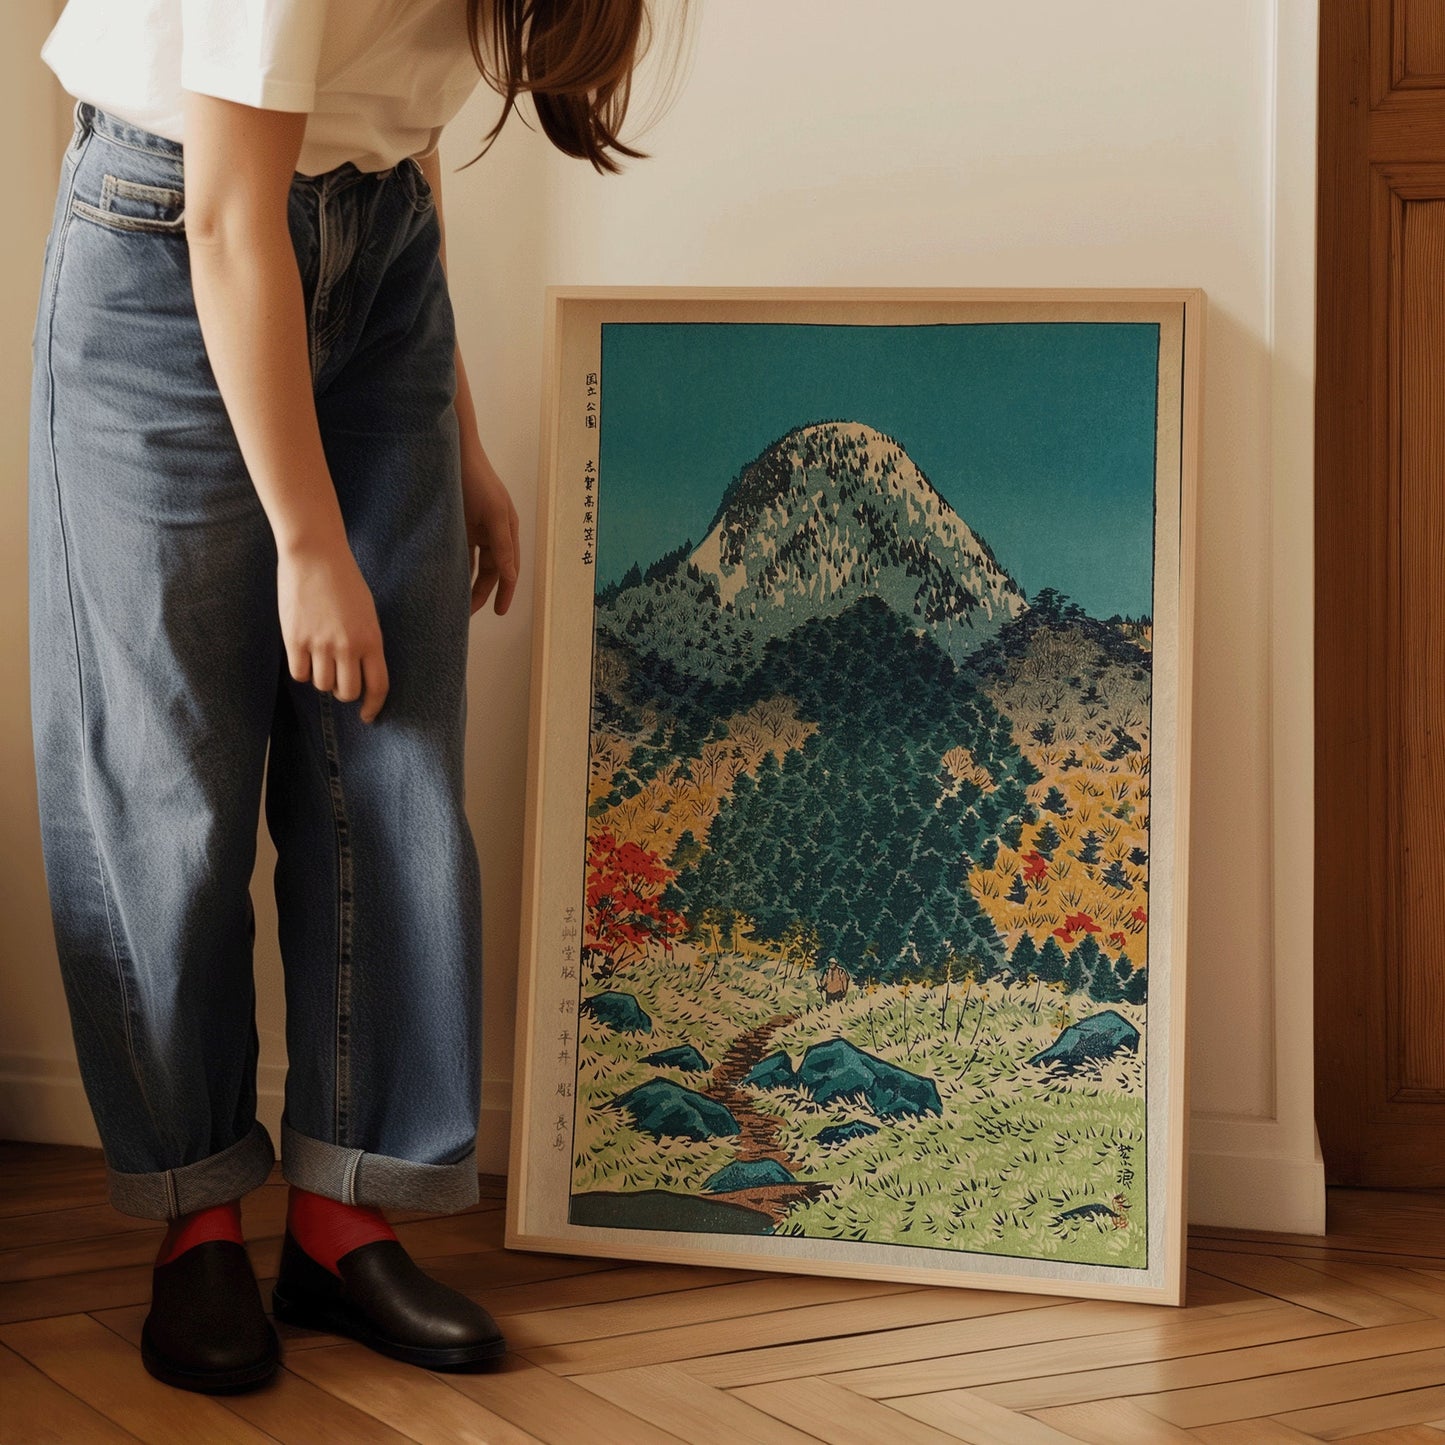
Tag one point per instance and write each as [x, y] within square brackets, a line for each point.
[533, 1221]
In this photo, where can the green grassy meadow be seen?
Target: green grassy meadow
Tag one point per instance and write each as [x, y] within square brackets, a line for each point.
[1015, 1147]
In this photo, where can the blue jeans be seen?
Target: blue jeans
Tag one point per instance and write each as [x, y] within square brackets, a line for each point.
[159, 678]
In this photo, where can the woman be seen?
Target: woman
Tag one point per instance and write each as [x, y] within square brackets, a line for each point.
[256, 489]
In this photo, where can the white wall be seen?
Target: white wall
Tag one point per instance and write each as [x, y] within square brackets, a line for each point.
[1160, 143]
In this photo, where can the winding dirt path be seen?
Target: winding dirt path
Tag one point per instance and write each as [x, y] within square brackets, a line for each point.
[759, 1131]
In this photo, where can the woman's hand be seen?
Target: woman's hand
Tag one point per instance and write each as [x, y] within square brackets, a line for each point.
[329, 624]
[491, 529]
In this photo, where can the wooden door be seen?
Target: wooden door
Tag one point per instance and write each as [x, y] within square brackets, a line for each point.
[1380, 594]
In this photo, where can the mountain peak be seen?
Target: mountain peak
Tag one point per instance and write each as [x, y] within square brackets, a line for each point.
[830, 512]
[833, 445]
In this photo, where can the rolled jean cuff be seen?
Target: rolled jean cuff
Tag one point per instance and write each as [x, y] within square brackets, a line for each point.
[356, 1176]
[216, 1179]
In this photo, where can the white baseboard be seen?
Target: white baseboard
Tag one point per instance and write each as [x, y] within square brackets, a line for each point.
[1276, 1193]
[42, 1101]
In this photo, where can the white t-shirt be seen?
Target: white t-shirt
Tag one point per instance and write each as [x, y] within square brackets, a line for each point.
[379, 78]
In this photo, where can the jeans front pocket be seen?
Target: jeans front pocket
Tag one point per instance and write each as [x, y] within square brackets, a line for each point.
[127, 205]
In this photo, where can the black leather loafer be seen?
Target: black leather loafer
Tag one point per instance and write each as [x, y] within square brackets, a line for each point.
[207, 1328]
[386, 1301]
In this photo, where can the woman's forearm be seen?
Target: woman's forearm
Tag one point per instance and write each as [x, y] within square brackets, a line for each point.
[467, 415]
[252, 314]
[240, 165]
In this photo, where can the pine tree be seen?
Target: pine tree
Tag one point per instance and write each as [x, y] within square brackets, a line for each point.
[986, 939]
[1048, 840]
[1052, 964]
[1019, 893]
[1055, 802]
[1137, 988]
[1086, 956]
[1055, 963]
[1115, 876]
[1026, 959]
[927, 938]
[1098, 968]
[1123, 972]
[1103, 984]
[1092, 843]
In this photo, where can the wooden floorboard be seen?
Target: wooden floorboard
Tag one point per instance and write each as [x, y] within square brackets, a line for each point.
[1282, 1338]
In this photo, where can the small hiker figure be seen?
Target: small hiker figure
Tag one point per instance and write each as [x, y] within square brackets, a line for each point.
[835, 982]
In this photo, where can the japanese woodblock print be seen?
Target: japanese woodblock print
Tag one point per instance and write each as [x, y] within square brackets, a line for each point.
[856, 823]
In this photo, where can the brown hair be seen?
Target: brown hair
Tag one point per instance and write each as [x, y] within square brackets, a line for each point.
[575, 58]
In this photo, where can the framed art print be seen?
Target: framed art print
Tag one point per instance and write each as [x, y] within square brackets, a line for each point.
[857, 819]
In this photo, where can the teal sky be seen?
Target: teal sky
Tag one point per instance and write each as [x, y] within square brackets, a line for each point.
[1040, 435]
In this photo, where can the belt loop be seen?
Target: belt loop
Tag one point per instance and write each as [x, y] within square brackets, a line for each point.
[80, 117]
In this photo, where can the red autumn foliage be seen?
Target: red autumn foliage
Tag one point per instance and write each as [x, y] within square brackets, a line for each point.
[1081, 923]
[1035, 867]
[624, 883]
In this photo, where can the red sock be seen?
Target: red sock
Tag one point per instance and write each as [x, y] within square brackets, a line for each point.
[326, 1228]
[220, 1221]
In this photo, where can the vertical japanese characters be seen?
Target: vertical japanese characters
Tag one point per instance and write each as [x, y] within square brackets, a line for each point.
[566, 1019]
[589, 479]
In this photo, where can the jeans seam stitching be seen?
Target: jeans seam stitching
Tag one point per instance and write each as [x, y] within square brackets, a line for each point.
[106, 135]
[119, 221]
[329, 286]
[50, 302]
[318, 295]
[342, 1097]
[143, 190]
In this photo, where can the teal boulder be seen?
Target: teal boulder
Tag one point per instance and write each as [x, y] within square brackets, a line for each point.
[684, 1056]
[842, 1133]
[667, 1110]
[747, 1174]
[837, 1070]
[1100, 1036]
[770, 1073]
[620, 1012]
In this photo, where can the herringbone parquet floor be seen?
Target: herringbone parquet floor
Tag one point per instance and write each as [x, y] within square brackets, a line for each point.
[1283, 1338]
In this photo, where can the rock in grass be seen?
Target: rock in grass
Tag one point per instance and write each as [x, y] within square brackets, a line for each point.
[620, 1012]
[747, 1174]
[837, 1070]
[842, 1133]
[663, 1109]
[1100, 1036]
[684, 1056]
[770, 1073]
[1097, 1212]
